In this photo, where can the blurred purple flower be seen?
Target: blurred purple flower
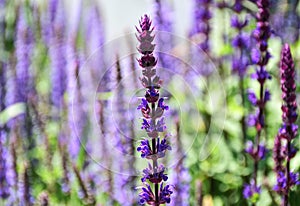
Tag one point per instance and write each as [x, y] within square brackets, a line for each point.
[180, 177]
[76, 114]
[57, 53]
[4, 176]
[24, 48]
[164, 38]
[202, 16]
[95, 37]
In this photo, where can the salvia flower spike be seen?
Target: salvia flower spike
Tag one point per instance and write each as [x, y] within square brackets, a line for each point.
[283, 150]
[260, 57]
[152, 107]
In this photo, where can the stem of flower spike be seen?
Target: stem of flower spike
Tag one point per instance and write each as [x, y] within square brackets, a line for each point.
[286, 195]
[154, 149]
[259, 128]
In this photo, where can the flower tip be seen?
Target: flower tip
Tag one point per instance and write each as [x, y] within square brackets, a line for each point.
[286, 47]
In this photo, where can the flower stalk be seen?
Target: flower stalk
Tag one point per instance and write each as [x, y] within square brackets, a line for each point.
[260, 57]
[284, 150]
[152, 108]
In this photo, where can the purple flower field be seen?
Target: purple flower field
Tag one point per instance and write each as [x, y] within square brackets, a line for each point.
[194, 103]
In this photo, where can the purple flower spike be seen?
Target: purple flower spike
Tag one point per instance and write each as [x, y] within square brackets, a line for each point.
[260, 56]
[4, 179]
[152, 108]
[202, 16]
[284, 151]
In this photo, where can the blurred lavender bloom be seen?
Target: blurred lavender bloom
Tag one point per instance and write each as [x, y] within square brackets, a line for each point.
[285, 22]
[57, 53]
[24, 47]
[2, 64]
[11, 96]
[241, 42]
[4, 176]
[94, 41]
[76, 114]
[123, 192]
[164, 38]
[3, 75]
[202, 16]
[47, 21]
[180, 177]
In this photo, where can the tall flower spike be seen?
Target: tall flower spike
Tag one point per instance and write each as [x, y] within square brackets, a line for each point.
[202, 16]
[152, 108]
[283, 148]
[241, 61]
[57, 53]
[4, 179]
[123, 144]
[165, 40]
[260, 57]
[181, 177]
[24, 40]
